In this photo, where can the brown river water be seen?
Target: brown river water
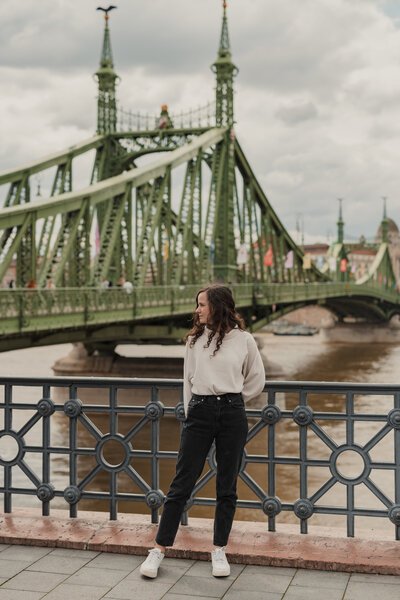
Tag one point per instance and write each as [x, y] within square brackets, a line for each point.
[301, 358]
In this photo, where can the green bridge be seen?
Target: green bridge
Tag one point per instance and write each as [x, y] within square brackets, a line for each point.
[192, 214]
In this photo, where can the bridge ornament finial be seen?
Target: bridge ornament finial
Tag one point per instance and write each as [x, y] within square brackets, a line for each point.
[106, 78]
[106, 10]
[340, 223]
[225, 71]
[385, 223]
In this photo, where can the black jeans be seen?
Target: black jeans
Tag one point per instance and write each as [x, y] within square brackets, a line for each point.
[223, 419]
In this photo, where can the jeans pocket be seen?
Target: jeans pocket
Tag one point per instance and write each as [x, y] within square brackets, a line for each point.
[193, 402]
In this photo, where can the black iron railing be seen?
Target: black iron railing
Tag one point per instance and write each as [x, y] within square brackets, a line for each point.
[329, 423]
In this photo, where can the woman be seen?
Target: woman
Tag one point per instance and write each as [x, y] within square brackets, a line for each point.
[222, 370]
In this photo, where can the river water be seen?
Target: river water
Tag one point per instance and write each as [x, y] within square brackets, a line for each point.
[300, 358]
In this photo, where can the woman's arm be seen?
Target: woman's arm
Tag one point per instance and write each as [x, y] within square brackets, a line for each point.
[187, 375]
[253, 371]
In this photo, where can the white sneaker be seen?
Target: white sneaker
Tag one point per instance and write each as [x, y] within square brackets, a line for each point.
[220, 566]
[149, 568]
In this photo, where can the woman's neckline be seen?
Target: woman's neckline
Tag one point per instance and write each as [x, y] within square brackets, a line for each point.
[233, 329]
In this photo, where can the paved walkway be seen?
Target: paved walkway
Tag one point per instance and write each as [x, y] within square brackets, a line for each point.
[32, 572]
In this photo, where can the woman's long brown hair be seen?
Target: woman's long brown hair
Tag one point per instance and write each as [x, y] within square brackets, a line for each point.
[223, 316]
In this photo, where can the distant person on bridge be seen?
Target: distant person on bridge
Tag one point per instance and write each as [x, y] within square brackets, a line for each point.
[222, 370]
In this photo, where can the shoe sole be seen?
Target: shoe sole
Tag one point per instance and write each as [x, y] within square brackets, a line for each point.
[150, 576]
[226, 574]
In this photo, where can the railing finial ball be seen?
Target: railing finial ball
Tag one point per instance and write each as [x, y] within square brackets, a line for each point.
[303, 508]
[72, 494]
[394, 418]
[45, 492]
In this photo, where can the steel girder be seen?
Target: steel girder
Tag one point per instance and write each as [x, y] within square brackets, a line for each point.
[63, 250]
[46, 316]
[142, 238]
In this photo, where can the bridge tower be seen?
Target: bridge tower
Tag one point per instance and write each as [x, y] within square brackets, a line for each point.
[225, 267]
[385, 223]
[106, 78]
[340, 224]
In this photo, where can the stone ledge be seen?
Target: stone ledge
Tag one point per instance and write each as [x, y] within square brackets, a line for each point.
[250, 542]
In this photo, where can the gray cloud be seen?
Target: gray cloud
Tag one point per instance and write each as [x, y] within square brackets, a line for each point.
[296, 113]
[317, 93]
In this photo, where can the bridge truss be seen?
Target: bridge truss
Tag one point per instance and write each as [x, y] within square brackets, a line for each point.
[179, 220]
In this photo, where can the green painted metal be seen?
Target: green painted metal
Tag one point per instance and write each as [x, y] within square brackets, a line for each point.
[225, 71]
[106, 77]
[45, 316]
[127, 225]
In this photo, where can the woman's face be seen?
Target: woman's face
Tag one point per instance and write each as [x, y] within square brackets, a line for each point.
[203, 308]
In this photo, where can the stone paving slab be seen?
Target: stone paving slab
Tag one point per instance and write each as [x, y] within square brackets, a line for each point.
[357, 590]
[255, 582]
[18, 595]
[58, 564]
[210, 587]
[309, 593]
[250, 543]
[98, 577]
[66, 592]
[321, 580]
[145, 590]
[178, 580]
[240, 595]
[172, 596]
[9, 568]
[118, 562]
[34, 582]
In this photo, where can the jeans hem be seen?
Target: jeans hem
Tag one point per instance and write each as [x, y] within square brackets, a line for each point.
[161, 543]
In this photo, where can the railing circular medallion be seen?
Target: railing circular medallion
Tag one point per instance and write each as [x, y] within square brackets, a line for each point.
[45, 492]
[394, 418]
[72, 494]
[155, 498]
[45, 407]
[272, 506]
[303, 415]
[125, 447]
[394, 514]
[180, 412]
[19, 448]
[73, 407]
[271, 414]
[303, 508]
[154, 411]
[354, 480]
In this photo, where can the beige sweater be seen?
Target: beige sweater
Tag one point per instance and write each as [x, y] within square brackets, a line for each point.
[236, 367]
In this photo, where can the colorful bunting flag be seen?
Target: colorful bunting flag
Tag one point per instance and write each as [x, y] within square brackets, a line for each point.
[320, 261]
[289, 260]
[242, 255]
[269, 257]
[166, 249]
[307, 261]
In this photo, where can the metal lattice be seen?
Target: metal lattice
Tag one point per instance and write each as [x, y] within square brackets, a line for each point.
[266, 419]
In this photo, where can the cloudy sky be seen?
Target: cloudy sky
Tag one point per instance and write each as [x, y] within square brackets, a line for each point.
[317, 103]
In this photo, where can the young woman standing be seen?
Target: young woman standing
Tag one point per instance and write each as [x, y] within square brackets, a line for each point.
[222, 370]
